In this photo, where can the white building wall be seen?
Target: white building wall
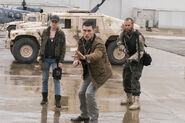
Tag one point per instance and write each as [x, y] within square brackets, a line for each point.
[128, 5]
[171, 19]
[116, 8]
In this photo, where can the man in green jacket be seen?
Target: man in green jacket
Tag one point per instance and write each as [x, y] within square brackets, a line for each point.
[97, 70]
[52, 52]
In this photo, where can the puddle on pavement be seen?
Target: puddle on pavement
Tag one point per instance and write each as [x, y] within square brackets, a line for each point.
[20, 96]
[21, 84]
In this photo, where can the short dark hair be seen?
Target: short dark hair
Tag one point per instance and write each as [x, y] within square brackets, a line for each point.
[89, 23]
[129, 18]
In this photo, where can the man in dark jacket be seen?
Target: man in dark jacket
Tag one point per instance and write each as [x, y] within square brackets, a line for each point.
[128, 43]
[97, 70]
[52, 52]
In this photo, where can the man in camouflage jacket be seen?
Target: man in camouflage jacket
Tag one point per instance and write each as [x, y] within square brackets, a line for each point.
[133, 66]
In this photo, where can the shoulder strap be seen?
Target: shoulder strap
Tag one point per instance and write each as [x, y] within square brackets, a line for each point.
[137, 33]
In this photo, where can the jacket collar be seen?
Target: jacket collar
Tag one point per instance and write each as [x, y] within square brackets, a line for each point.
[48, 31]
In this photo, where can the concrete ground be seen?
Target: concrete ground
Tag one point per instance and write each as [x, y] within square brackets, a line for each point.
[162, 98]
[170, 40]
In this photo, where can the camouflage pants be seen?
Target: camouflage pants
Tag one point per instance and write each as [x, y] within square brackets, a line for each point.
[131, 75]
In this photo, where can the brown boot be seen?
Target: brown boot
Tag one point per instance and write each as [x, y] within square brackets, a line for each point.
[127, 100]
[136, 104]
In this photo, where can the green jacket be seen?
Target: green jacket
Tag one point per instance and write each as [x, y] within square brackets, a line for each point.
[60, 44]
[98, 63]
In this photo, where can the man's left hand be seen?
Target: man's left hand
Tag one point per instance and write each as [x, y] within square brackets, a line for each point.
[129, 60]
[79, 55]
[60, 65]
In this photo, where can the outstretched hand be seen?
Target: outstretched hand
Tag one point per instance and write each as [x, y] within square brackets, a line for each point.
[78, 55]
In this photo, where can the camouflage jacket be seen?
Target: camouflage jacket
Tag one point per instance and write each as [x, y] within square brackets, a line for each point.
[99, 67]
[60, 44]
[141, 44]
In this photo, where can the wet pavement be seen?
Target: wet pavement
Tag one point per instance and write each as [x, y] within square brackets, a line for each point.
[162, 98]
[167, 43]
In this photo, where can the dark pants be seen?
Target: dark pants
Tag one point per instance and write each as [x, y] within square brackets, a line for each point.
[131, 75]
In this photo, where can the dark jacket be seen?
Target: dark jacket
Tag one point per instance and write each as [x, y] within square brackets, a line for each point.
[99, 67]
[134, 51]
[60, 44]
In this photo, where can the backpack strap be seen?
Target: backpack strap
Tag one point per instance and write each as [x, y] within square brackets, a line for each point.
[137, 34]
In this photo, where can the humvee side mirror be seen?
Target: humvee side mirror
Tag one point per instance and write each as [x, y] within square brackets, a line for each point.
[10, 14]
[17, 16]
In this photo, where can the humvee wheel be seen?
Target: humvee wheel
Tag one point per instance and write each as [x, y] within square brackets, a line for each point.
[115, 56]
[25, 50]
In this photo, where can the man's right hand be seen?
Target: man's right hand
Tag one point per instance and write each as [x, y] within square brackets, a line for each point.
[76, 63]
[38, 58]
[124, 50]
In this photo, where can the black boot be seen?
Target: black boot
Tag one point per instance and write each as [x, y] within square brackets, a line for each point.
[79, 119]
[57, 101]
[44, 98]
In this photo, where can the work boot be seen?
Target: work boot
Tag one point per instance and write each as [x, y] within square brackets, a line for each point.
[57, 101]
[127, 100]
[136, 104]
[79, 119]
[44, 98]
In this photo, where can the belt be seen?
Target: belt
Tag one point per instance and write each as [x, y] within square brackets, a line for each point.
[51, 57]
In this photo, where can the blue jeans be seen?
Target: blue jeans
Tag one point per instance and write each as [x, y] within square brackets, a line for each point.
[87, 96]
[45, 76]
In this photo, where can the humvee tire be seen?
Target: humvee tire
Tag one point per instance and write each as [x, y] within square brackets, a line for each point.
[25, 50]
[115, 56]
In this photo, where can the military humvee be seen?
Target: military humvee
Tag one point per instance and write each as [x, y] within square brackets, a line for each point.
[24, 42]
[15, 14]
[27, 17]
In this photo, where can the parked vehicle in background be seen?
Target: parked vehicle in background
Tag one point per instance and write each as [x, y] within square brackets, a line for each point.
[29, 17]
[16, 14]
[24, 41]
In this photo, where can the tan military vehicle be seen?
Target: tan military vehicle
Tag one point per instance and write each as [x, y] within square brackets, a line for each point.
[27, 17]
[24, 42]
